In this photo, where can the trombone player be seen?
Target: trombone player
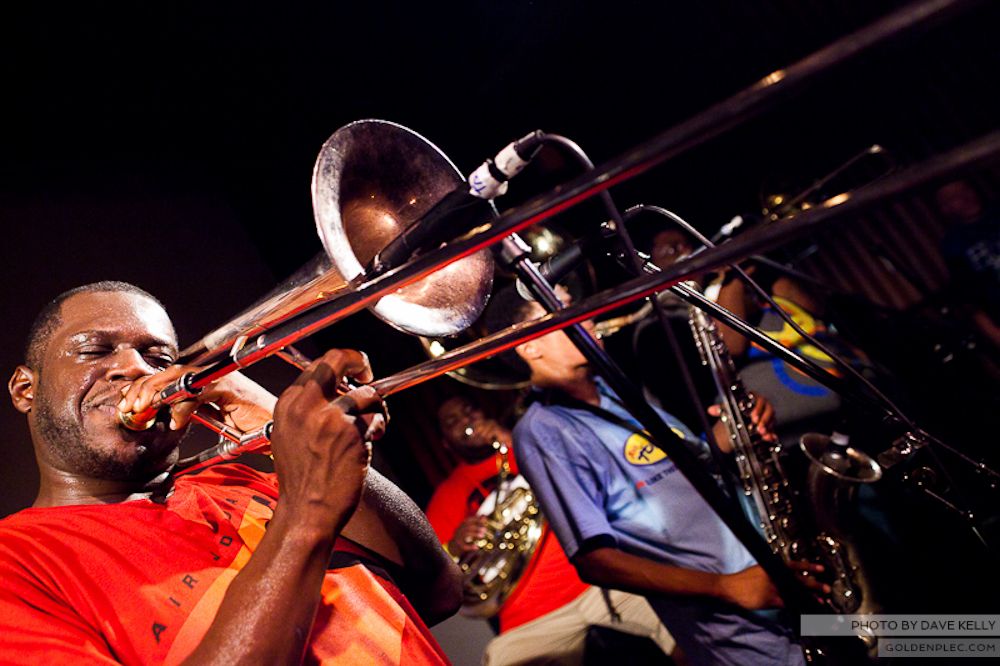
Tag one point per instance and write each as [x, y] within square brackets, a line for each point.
[121, 560]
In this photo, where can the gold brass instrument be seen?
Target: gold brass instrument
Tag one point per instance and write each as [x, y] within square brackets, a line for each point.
[835, 472]
[786, 527]
[781, 206]
[608, 327]
[514, 526]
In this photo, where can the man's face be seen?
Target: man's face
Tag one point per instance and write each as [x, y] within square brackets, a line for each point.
[466, 429]
[105, 340]
[554, 356]
[669, 246]
[959, 202]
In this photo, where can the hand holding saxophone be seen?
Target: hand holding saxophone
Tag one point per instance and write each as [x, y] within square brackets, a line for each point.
[752, 589]
[762, 419]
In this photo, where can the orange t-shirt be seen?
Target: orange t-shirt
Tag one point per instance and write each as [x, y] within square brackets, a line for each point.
[140, 582]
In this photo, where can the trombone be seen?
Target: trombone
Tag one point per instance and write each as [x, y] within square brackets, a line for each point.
[754, 241]
[336, 285]
[349, 290]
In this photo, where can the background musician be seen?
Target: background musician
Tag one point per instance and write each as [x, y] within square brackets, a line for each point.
[545, 618]
[627, 518]
[971, 247]
[803, 404]
[122, 560]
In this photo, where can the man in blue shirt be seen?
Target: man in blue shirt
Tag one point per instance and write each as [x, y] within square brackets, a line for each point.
[628, 519]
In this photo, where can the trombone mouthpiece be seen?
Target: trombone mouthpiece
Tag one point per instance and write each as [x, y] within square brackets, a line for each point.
[181, 389]
[136, 422]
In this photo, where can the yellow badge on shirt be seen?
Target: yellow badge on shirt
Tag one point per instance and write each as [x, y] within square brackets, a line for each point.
[640, 451]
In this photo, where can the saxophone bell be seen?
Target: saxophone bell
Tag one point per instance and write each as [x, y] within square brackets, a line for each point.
[835, 473]
[833, 455]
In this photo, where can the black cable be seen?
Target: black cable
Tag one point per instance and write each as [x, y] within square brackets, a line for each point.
[635, 267]
[762, 293]
[891, 406]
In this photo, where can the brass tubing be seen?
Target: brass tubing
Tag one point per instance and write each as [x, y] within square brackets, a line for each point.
[706, 125]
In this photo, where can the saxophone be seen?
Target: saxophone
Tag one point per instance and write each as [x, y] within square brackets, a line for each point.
[514, 525]
[795, 527]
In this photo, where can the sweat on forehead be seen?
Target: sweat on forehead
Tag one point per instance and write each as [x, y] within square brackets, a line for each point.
[49, 319]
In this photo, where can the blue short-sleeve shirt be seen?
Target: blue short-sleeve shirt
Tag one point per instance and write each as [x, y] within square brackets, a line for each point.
[595, 478]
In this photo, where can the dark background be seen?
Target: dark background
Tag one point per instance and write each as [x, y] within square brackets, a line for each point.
[172, 145]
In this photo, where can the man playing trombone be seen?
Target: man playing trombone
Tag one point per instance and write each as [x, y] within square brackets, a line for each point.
[122, 560]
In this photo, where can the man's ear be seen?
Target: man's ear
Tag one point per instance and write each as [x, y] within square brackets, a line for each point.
[527, 350]
[22, 388]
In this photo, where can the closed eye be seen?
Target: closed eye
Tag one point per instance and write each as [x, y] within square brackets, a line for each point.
[159, 361]
[93, 351]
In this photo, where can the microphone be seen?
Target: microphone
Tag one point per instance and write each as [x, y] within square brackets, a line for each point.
[727, 229]
[556, 267]
[489, 180]
[462, 209]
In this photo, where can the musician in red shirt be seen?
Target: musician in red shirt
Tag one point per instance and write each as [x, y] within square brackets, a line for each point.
[123, 560]
[547, 613]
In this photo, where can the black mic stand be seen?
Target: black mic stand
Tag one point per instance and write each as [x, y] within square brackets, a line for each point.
[628, 257]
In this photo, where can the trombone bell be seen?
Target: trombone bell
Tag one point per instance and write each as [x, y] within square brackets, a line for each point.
[372, 179]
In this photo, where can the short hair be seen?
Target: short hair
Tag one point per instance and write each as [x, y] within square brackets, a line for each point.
[49, 318]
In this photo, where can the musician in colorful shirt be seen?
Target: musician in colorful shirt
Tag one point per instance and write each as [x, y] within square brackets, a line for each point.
[545, 616]
[123, 560]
